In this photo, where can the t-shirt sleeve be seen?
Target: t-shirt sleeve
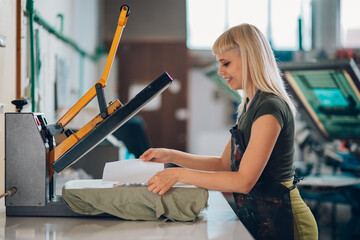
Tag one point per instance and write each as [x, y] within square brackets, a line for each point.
[272, 106]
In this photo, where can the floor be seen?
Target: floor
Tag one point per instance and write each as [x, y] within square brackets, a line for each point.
[218, 222]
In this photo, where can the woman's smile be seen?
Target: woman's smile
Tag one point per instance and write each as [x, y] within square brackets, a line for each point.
[228, 80]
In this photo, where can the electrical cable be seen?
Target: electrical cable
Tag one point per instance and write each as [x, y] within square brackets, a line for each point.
[9, 192]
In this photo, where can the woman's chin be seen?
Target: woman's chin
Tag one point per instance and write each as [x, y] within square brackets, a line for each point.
[232, 87]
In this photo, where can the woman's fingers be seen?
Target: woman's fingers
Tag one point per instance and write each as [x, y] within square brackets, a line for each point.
[146, 155]
[152, 184]
[155, 155]
[164, 190]
[152, 188]
[161, 182]
[151, 180]
[150, 155]
[156, 189]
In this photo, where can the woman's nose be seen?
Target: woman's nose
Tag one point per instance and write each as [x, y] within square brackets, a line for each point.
[220, 72]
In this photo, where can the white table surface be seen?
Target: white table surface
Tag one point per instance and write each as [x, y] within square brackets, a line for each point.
[217, 222]
[327, 180]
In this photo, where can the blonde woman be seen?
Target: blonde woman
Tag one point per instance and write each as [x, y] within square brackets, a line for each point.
[257, 162]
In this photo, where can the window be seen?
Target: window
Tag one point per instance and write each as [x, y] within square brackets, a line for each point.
[207, 19]
[205, 22]
[349, 25]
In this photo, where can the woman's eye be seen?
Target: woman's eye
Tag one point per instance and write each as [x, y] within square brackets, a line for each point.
[226, 64]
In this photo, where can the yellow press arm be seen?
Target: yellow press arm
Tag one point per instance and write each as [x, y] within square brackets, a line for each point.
[59, 150]
[124, 14]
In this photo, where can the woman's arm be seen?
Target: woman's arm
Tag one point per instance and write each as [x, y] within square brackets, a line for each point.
[187, 160]
[264, 134]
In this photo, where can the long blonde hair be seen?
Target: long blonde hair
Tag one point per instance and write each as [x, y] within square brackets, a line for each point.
[257, 60]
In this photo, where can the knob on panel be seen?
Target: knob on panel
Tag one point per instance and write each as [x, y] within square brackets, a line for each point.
[19, 103]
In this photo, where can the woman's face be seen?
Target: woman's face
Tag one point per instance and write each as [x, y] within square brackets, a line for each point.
[230, 68]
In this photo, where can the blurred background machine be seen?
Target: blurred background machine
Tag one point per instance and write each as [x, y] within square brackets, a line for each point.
[328, 134]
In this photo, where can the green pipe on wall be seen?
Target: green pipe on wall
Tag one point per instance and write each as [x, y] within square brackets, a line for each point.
[34, 16]
[81, 82]
[42, 22]
[30, 10]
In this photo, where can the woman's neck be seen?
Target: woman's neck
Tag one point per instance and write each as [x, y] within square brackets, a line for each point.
[250, 93]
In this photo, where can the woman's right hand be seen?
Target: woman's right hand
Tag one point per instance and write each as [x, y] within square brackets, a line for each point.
[159, 155]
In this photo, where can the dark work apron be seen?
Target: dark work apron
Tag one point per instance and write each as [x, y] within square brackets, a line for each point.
[266, 210]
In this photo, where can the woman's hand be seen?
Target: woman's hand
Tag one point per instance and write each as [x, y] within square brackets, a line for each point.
[161, 182]
[159, 155]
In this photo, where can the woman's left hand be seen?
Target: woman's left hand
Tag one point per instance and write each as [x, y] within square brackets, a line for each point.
[161, 182]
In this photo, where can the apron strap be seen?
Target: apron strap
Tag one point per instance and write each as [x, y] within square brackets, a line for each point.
[295, 182]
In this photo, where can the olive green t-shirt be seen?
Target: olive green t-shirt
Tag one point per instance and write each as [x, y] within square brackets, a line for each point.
[281, 163]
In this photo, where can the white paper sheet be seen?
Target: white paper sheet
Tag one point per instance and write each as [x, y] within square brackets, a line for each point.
[132, 171]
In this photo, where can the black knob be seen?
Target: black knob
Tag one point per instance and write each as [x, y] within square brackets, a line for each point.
[19, 103]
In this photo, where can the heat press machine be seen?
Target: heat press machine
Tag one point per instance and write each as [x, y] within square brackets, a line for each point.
[32, 157]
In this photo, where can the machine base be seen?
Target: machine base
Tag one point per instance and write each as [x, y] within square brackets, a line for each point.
[56, 208]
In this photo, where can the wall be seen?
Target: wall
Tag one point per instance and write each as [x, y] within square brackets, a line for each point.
[56, 61]
[153, 41]
[60, 64]
[149, 20]
[7, 70]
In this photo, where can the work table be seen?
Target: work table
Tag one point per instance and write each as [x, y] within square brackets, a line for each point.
[218, 222]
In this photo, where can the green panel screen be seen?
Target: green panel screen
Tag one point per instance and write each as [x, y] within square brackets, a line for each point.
[330, 97]
[333, 99]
